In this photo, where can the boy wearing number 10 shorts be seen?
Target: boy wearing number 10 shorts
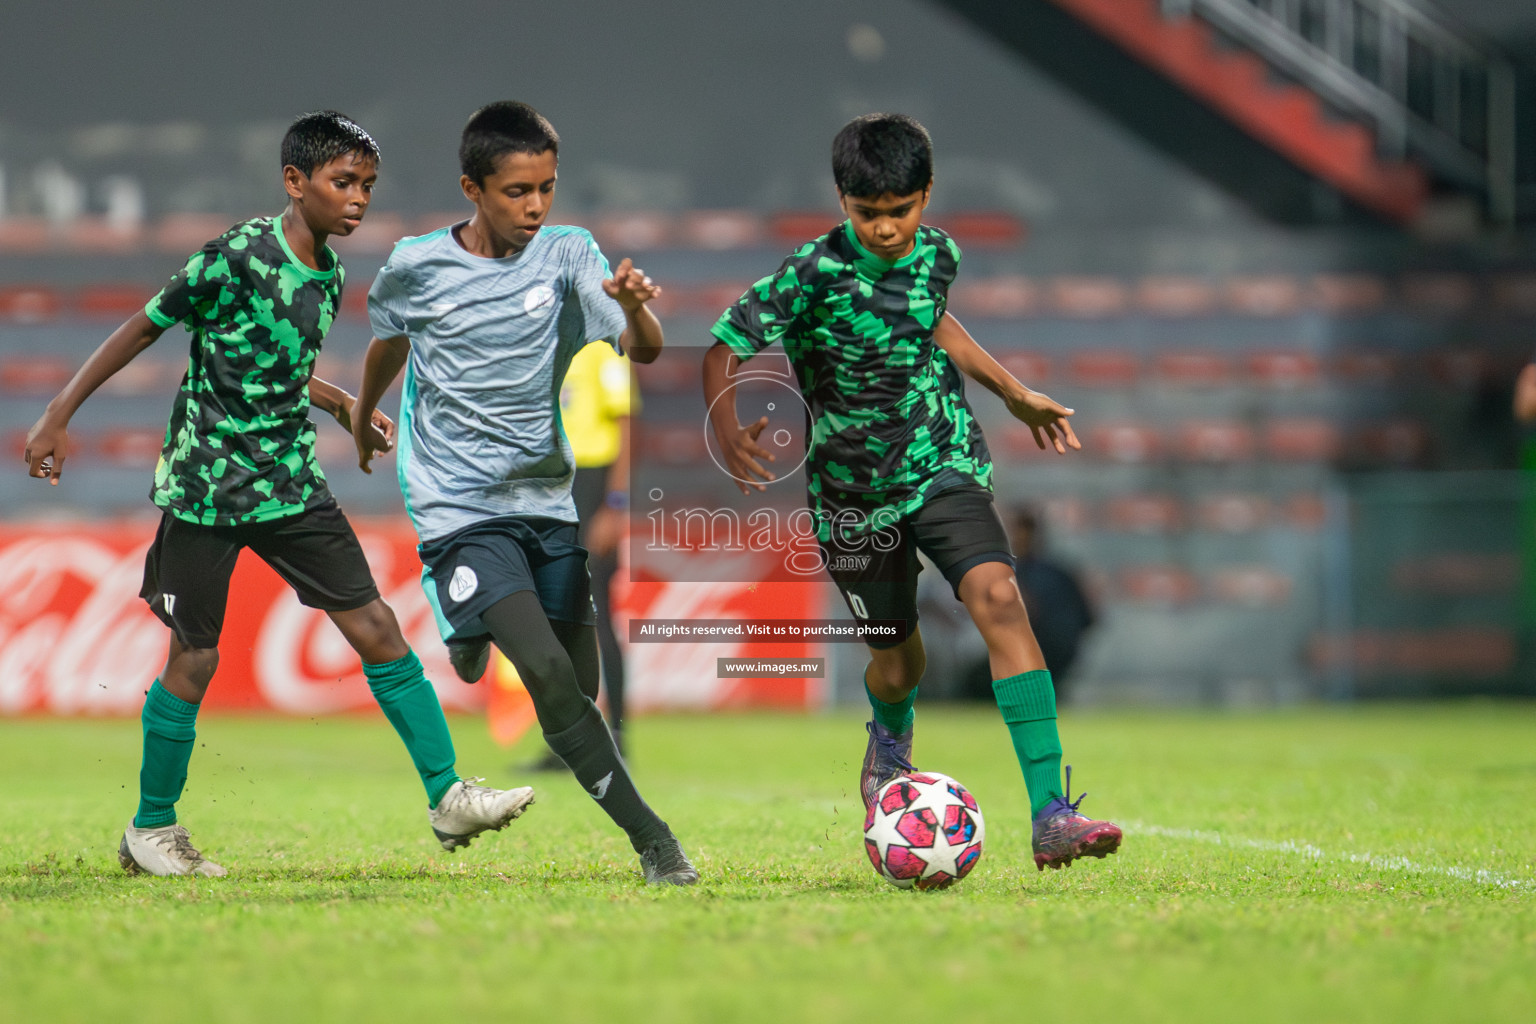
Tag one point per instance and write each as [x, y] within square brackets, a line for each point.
[896, 462]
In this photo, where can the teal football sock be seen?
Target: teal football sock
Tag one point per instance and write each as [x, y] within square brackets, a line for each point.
[1028, 704]
[170, 729]
[411, 705]
[897, 717]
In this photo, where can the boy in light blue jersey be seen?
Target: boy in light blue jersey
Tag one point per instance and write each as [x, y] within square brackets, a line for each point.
[485, 317]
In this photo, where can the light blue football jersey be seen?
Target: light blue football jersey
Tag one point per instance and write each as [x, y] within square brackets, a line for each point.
[479, 427]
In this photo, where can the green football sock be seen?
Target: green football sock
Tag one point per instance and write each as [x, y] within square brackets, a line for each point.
[896, 717]
[1028, 704]
[170, 729]
[410, 704]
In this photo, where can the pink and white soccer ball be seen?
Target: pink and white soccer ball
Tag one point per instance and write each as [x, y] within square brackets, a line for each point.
[924, 830]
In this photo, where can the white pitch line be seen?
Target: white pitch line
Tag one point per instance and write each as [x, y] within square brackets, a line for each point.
[1403, 864]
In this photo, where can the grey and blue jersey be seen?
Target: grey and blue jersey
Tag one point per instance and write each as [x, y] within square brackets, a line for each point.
[479, 428]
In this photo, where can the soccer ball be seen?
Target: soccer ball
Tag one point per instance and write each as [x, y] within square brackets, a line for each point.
[924, 830]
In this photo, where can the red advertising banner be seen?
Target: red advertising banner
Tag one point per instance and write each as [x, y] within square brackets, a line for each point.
[75, 638]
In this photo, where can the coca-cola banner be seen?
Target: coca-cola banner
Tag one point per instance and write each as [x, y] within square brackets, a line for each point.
[75, 639]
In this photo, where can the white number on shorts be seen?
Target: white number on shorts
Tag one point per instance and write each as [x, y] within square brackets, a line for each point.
[857, 603]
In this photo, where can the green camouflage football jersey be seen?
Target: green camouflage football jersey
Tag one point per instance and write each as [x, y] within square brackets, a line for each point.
[240, 447]
[889, 424]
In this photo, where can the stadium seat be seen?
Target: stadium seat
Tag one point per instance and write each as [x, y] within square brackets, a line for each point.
[674, 445]
[1250, 585]
[1176, 296]
[29, 304]
[1400, 442]
[184, 233]
[25, 234]
[1193, 369]
[722, 229]
[1087, 296]
[39, 376]
[1030, 368]
[1302, 439]
[1157, 584]
[1366, 367]
[633, 232]
[1105, 369]
[127, 446]
[1063, 514]
[1272, 295]
[110, 301]
[1216, 441]
[1233, 513]
[982, 229]
[1003, 296]
[1306, 512]
[1148, 514]
[1439, 293]
[147, 375]
[1347, 293]
[678, 373]
[796, 227]
[1125, 442]
[1284, 370]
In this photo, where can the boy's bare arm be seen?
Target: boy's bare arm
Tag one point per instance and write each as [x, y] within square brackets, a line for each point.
[632, 289]
[1046, 419]
[327, 397]
[48, 440]
[738, 444]
[385, 358]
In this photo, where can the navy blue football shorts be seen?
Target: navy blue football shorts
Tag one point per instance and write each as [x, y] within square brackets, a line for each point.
[472, 569]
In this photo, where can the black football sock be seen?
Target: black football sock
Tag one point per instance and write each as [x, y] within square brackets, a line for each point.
[588, 749]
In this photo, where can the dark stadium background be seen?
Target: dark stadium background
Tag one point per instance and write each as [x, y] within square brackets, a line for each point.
[1299, 478]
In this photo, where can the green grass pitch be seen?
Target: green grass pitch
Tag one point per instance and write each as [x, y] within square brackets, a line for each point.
[1356, 864]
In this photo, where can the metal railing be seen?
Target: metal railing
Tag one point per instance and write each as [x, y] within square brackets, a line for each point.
[1427, 86]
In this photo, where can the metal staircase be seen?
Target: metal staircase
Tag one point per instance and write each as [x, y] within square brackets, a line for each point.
[1430, 90]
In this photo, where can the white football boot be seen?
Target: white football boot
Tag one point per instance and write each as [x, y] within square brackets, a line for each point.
[164, 851]
[467, 810]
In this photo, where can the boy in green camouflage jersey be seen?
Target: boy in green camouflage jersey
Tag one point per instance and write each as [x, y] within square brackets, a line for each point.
[896, 462]
[238, 470]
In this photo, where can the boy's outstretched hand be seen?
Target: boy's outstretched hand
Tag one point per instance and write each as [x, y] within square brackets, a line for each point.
[376, 437]
[1045, 418]
[630, 286]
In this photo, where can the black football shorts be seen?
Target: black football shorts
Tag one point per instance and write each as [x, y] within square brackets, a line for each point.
[187, 570]
[957, 529]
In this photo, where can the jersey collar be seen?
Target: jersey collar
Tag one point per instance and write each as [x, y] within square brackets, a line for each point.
[877, 265]
[300, 265]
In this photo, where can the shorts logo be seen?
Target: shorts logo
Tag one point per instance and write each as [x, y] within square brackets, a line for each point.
[538, 301]
[170, 603]
[463, 583]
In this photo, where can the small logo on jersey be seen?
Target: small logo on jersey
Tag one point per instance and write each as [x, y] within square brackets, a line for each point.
[600, 787]
[538, 301]
[170, 603]
[463, 583]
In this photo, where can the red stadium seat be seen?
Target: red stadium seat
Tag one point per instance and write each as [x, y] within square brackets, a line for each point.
[678, 373]
[1217, 441]
[1348, 293]
[1233, 513]
[674, 445]
[34, 375]
[796, 227]
[1307, 512]
[982, 229]
[1367, 367]
[1066, 513]
[185, 233]
[111, 301]
[97, 234]
[1193, 369]
[722, 229]
[1303, 439]
[1105, 369]
[128, 446]
[1149, 514]
[1285, 370]
[1176, 296]
[1273, 295]
[1125, 442]
[25, 234]
[1087, 296]
[29, 304]
[1254, 586]
[147, 375]
[629, 232]
[1158, 584]
[1008, 295]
